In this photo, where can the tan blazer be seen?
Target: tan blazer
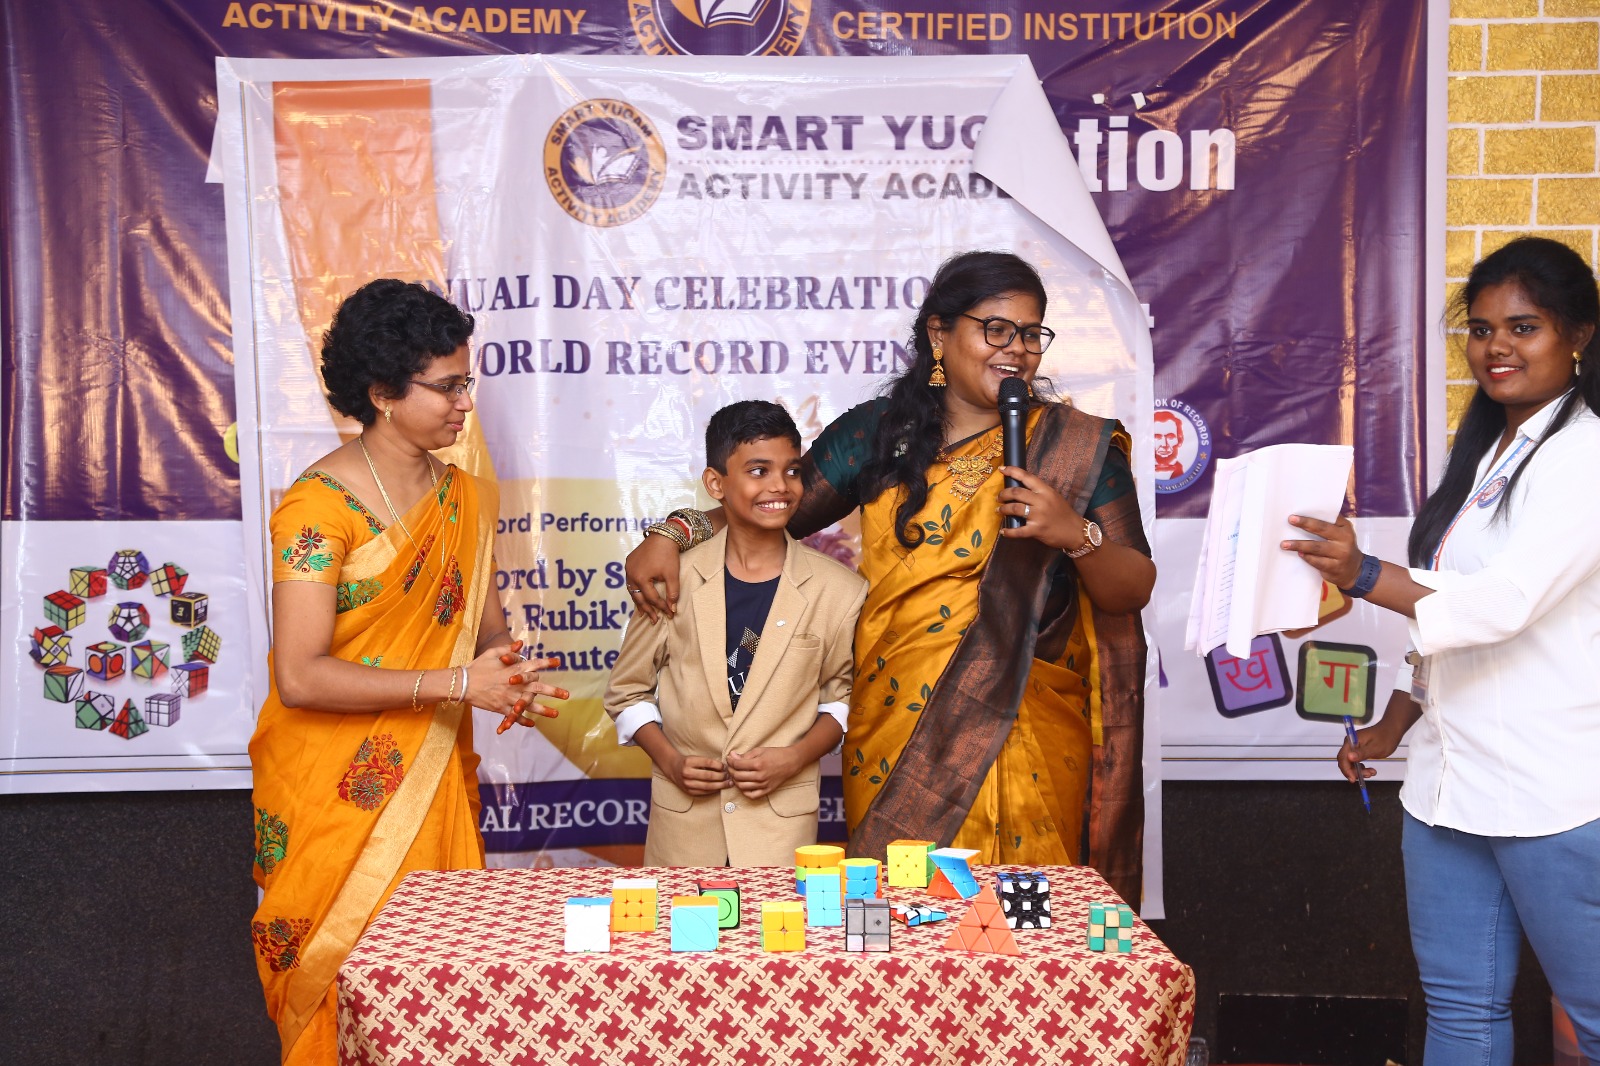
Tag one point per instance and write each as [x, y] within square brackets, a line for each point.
[681, 665]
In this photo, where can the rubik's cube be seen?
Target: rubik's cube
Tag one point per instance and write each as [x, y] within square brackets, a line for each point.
[588, 924]
[130, 723]
[983, 928]
[866, 924]
[189, 608]
[916, 915]
[1110, 927]
[814, 857]
[726, 893]
[63, 683]
[106, 660]
[191, 679]
[149, 659]
[953, 879]
[861, 878]
[783, 925]
[94, 710]
[633, 905]
[823, 898]
[162, 708]
[168, 579]
[49, 646]
[64, 609]
[128, 569]
[909, 865]
[88, 581]
[202, 644]
[129, 621]
[694, 923]
[1025, 900]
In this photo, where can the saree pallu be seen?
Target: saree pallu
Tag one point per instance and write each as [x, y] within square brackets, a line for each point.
[348, 804]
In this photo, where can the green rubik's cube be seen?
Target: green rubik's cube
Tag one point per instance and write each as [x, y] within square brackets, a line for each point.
[201, 644]
[95, 710]
[1110, 927]
[63, 609]
[149, 659]
[726, 893]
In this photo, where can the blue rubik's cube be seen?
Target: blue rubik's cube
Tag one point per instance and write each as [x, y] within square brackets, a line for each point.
[1110, 927]
[694, 923]
[955, 864]
[1025, 900]
[861, 877]
[824, 903]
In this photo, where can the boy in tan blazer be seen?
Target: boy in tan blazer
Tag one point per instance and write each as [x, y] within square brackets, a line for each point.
[737, 696]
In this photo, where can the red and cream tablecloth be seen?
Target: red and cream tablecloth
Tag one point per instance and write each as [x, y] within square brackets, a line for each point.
[468, 967]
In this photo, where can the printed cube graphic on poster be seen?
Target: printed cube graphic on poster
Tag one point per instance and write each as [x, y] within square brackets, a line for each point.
[783, 925]
[202, 644]
[95, 710]
[128, 569]
[633, 905]
[88, 581]
[1336, 680]
[694, 923]
[149, 659]
[189, 608]
[588, 924]
[866, 924]
[814, 857]
[983, 928]
[906, 915]
[63, 683]
[49, 646]
[162, 708]
[168, 579]
[953, 878]
[726, 893]
[862, 878]
[64, 609]
[909, 865]
[130, 723]
[1025, 899]
[129, 621]
[190, 679]
[106, 660]
[823, 898]
[1110, 927]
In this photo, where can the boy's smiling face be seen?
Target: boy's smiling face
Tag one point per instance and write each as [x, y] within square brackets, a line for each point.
[762, 486]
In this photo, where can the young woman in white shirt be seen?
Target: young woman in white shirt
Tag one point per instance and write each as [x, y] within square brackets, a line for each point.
[1502, 697]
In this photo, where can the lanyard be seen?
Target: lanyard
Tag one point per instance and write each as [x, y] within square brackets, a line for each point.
[1479, 497]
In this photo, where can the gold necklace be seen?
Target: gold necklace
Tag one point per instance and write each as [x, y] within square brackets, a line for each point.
[969, 472]
[361, 439]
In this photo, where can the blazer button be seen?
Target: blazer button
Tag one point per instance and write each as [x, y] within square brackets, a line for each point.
[730, 807]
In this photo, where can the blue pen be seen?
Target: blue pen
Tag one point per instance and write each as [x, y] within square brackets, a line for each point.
[1355, 745]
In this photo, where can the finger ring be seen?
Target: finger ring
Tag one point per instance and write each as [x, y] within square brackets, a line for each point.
[633, 591]
[1027, 509]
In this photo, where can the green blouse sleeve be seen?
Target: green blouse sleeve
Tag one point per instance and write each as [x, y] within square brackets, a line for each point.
[843, 448]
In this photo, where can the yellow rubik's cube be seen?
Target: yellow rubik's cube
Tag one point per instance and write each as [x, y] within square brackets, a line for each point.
[783, 926]
[633, 905]
[909, 865]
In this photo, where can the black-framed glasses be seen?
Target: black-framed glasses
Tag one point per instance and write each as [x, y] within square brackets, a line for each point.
[997, 333]
[455, 390]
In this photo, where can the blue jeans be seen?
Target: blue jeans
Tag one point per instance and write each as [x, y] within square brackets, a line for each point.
[1470, 899]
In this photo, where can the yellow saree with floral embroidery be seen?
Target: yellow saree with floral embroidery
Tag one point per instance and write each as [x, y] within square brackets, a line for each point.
[348, 804]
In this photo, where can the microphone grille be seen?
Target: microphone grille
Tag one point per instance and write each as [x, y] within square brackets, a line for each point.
[1013, 393]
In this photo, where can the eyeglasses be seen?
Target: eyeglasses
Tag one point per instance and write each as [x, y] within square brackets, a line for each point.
[997, 332]
[454, 390]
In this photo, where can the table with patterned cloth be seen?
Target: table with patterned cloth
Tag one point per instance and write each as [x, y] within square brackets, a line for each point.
[467, 966]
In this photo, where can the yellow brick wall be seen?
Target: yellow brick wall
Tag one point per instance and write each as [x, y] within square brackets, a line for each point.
[1524, 133]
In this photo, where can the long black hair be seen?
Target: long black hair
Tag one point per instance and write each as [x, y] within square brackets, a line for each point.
[1557, 280]
[912, 425]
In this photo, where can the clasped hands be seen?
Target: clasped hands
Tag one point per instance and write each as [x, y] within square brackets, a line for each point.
[754, 773]
[502, 681]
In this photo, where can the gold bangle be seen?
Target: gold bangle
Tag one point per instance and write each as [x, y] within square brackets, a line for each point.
[698, 525]
[671, 532]
[415, 689]
[452, 697]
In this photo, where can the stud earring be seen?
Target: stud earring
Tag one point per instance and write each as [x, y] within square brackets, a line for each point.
[936, 379]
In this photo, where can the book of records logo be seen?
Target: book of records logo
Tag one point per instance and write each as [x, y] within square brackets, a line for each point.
[604, 162]
[719, 27]
[1182, 445]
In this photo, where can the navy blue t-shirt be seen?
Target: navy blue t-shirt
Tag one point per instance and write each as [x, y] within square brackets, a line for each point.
[747, 604]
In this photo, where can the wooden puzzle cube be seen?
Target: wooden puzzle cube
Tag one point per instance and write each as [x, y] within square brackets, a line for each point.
[906, 915]
[909, 865]
[149, 659]
[726, 893]
[162, 708]
[866, 924]
[783, 925]
[1110, 927]
[814, 857]
[823, 898]
[1025, 899]
[168, 579]
[983, 928]
[129, 621]
[694, 923]
[63, 609]
[861, 878]
[95, 710]
[88, 581]
[106, 660]
[191, 679]
[953, 877]
[63, 683]
[588, 924]
[633, 905]
[202, 644]
[130, 723]
[189, 608]
[128, 569]
[50, 646]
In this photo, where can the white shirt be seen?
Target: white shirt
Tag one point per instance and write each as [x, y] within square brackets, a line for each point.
[1509, 740]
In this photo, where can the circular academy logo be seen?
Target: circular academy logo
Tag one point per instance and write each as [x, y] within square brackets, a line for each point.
[604, 163]
[1182, 445]
[719, 27]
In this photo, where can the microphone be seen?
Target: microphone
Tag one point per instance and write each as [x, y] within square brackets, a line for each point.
[1013, 446]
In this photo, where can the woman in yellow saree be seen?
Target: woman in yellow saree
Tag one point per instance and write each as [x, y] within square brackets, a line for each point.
[386, 630]
[998, 697]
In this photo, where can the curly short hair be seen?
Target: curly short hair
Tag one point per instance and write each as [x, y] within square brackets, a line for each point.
[384, 334]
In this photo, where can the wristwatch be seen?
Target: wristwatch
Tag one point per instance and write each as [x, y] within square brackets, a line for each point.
[1091, 540]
